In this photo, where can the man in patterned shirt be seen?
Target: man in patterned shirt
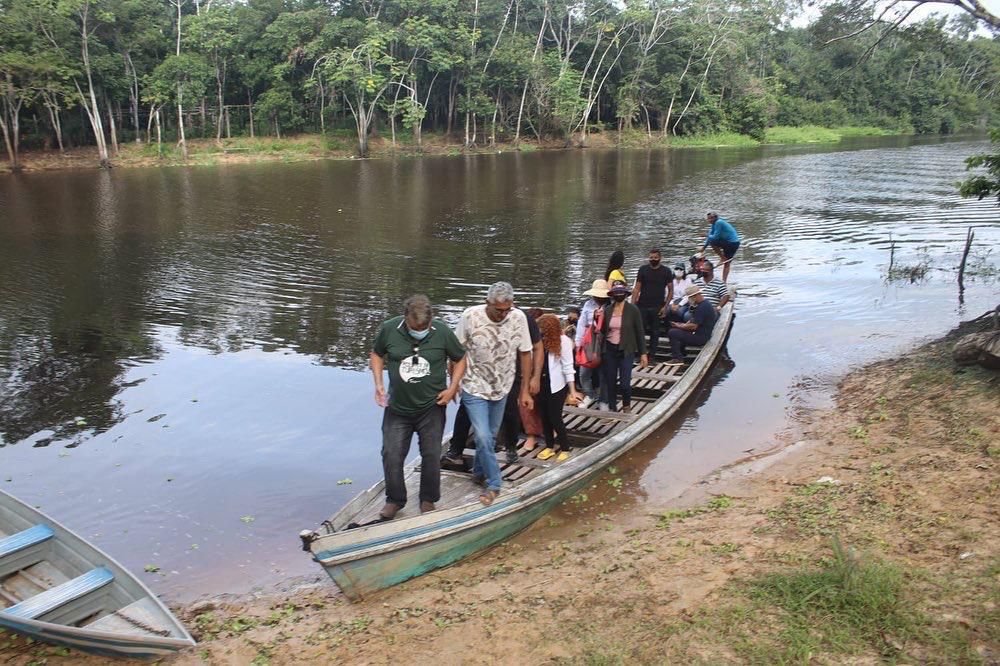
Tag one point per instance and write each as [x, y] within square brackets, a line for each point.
[496, 338]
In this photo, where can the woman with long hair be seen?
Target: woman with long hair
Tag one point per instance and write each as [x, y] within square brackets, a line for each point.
[613, 273]
[557, 383]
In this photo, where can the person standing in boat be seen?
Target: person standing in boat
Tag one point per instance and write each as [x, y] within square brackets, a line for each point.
[697, 331]
[614, 270]
[416, 348]
[623, 340]
[654, 289]
[496, 338]
[722, 238]
[557, 385]
[597, 299]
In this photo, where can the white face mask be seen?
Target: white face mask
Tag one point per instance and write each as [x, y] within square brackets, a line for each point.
[418, 335]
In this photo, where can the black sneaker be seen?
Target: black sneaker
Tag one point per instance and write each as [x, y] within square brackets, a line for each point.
[512, 457]
[453, 463]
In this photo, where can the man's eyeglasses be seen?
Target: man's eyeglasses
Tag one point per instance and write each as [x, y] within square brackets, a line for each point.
[503, 312]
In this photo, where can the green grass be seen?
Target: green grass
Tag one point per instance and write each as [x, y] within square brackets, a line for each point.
[713, 140]
[847, 605]
[806, 134]
[816, 134]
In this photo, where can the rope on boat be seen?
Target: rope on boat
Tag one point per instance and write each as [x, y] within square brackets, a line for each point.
[140, 624]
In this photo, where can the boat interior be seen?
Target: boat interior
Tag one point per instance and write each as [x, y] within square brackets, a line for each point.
[585, 426]
[45, 576]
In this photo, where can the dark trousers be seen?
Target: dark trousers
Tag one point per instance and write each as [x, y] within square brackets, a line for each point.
[460, 434]
[679, 339]
[651, 324]
[397, 431]
[616, 367]
[551, 407]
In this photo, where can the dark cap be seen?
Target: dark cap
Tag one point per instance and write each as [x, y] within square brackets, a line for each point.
[618, 288]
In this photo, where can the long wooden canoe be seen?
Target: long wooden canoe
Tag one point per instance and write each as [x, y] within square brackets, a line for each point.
[375, 556]
[57, 588]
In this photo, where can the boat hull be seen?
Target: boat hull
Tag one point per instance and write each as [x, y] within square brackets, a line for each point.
[103, 644]
[358, 578]
[377, 556]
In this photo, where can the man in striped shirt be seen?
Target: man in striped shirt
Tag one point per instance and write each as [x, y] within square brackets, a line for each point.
[715, 290]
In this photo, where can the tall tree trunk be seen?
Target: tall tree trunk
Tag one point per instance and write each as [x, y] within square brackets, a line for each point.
[90, 105]
[111, 125]
[250, 106]
[11, 140]
[149, 124]
[159, 134]
[180, 124]
[220, 80]
[452, 89]
[56, 125]
[133, 98]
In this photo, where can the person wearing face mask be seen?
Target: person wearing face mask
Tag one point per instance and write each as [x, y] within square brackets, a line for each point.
[654, 288]
[590, 378]
[416, 348]
[681, 281]
[716, 291]
[623, 340]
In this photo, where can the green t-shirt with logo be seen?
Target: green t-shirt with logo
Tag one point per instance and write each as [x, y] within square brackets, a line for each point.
[418, 369]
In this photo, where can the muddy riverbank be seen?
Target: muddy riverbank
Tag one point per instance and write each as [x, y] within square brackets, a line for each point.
[875, 537]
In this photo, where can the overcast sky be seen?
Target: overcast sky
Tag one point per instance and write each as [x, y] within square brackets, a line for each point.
[993, 6]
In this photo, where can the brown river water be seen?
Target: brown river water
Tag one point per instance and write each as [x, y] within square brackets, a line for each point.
[182, 350]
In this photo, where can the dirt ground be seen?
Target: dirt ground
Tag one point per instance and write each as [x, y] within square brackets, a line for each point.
[873, 539]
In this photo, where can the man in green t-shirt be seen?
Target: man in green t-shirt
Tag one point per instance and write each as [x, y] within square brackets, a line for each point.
[417, 349]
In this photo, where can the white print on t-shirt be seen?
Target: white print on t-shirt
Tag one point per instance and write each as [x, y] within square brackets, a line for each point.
[414, 368]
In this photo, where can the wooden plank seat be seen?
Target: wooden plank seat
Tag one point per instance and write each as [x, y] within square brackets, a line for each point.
[608, 416]
[657, 376]
[60, 595]
[32, 536]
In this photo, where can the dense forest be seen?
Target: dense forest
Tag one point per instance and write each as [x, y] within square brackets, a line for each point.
[103, 72]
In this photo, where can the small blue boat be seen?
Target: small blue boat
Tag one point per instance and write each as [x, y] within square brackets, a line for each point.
[57, 588]
[362, 555]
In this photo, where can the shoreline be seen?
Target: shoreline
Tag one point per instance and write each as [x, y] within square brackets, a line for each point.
[873, 536]
[341, 146]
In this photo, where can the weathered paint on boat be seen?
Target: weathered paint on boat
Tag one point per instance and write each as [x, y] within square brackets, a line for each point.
[356, 578]
[66, 546]
[373, 557]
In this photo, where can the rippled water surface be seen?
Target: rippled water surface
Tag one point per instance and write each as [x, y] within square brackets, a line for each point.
[182, 350]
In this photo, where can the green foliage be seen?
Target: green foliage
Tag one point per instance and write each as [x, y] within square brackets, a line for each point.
[682, 70]
[988, 184]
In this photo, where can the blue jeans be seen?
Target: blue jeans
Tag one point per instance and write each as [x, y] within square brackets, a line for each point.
[486, 416]
[587, 376]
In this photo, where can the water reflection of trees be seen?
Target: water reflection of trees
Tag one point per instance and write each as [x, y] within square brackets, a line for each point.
[308, 258]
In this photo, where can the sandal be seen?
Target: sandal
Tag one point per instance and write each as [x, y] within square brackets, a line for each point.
[488, 497]
[546, 454]
[530, 447]
[563, 455]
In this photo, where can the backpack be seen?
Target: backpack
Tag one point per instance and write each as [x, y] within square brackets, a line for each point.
[588, 354]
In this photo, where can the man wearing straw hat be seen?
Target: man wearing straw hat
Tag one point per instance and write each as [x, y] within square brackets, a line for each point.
[697, 330]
